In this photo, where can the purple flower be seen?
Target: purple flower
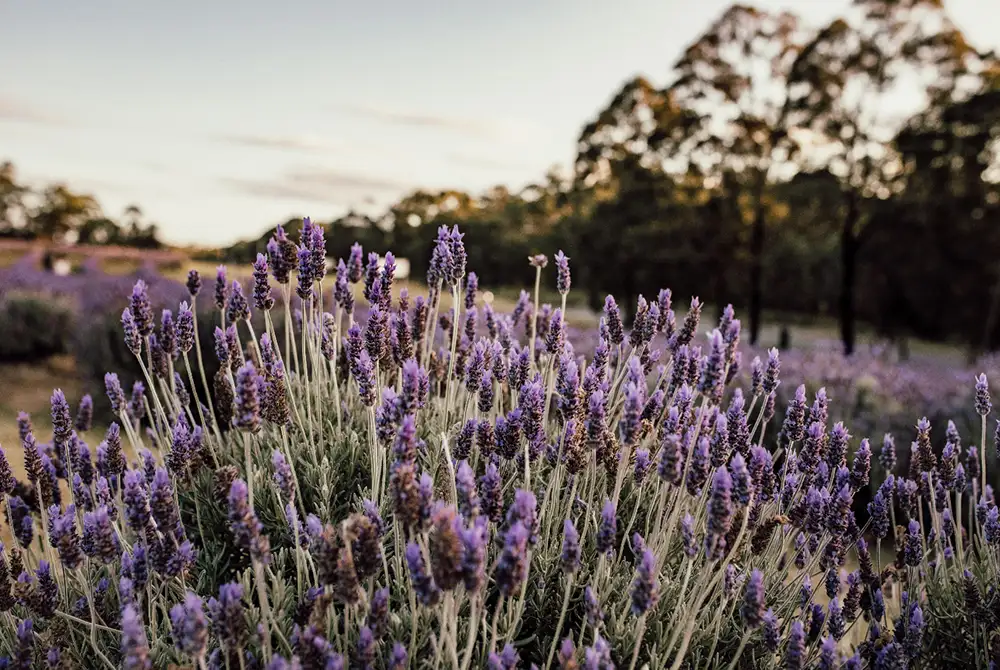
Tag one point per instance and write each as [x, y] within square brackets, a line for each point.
[687, 535]
[168, 334]
[220, 287]
[878, 508]
[426, 590]
[645, 587]
[378, 614]
[887, 456]
[524, 510]
[446, 549]
[570, 557]
[471, 288]
[720, 513]
[63, 536]
[398, 658]
[283, 475]
[991, 526]
[770, 382]
[635, 398]
[84, 415]
[100, 541]
[742, 485]
[507, 659]
[491, 491]
[193, 283]
[185, 328]
[771, 635]
[474, 554]
[738, 428]
[247, 530]
[363, 371]
[237, 307]
[713, 369]
[592, 608]
[835, 620]
[189, 626]
[355, 263]
[262, 298]
[913, 545]
[795, 651]
[671, 459]
[306, 275]
[465, 485]
[227, 617]
[162, 505]
[135, 648]
[247, 402]
[562, 273]
[598, 657]
[364, 651]
[862, 465]
[613, 318]
[512, 567]
[21, 517]
[794, 423]
[642, 465]
[752, 609]
[914, 632]
[983, 404]
[828, 654]
[567, 654]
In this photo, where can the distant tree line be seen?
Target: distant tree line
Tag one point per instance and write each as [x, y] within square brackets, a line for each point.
[775, 169]
[58, 214]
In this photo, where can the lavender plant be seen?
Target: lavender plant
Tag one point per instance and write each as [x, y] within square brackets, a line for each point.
[418, 489]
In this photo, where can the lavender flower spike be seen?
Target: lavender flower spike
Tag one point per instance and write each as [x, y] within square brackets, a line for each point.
[983, 404]
[189, 626]
[645, 587]
[563, 275]
[752, 610]
[135, 648]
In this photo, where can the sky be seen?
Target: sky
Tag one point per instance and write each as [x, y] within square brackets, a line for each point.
[223, 118]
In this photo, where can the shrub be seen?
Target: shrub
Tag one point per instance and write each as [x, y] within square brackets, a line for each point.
[34, 326]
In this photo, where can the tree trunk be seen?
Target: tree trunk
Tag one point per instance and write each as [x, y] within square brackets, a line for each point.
[757, 267]
[849, 257]
[991, 319]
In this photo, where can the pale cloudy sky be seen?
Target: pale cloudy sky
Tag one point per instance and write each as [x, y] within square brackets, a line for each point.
[223, 117]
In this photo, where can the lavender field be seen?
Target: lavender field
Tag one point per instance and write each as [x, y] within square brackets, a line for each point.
[313, 469]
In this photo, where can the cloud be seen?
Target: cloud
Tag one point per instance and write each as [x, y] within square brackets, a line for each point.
[15, 110]
[304, 144]
[320, 185]
[483, 128]
[484, 162]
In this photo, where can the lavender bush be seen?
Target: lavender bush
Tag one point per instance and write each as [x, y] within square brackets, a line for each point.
[441, 485]
[33, 326]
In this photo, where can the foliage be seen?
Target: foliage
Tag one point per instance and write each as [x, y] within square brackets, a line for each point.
[773, 168]
[396, 485]
[33, 326]
[58, 214]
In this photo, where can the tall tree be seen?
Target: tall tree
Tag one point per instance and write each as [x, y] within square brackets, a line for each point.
[733, 77]
[845, 86]
[619, 179]
[62, 211]
[12, 206]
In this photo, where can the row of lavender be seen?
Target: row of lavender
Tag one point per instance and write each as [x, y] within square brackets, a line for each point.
[868, 391]
[419, 488]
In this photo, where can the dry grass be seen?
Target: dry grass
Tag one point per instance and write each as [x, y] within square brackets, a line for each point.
[27, 388]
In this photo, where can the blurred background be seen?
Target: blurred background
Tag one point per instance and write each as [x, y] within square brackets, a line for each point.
[829, 167]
